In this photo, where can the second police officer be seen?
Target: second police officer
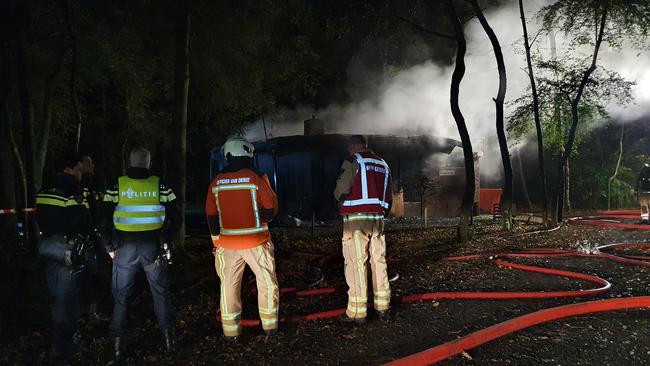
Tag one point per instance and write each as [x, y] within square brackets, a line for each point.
[144, 214]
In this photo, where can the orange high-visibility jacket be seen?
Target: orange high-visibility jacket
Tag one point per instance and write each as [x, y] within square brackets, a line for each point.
[244, 201]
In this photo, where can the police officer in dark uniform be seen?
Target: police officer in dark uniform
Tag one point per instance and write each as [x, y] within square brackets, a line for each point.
[643, 192]
[64, 221]
[144, 216]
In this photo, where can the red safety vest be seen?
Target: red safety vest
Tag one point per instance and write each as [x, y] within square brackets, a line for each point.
[370, 192]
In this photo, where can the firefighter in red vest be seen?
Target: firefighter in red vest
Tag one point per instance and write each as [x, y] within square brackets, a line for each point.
[239, 203]
[364, 192]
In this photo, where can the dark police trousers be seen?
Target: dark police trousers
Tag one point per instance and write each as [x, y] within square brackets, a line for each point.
[132, 255]
[62, 283]
[95, 283]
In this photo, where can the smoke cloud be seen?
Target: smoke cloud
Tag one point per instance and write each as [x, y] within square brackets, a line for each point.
[416, 100]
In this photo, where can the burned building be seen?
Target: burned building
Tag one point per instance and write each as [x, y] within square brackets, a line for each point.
[303, 171]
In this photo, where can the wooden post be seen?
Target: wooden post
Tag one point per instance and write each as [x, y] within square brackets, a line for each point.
[426, 217]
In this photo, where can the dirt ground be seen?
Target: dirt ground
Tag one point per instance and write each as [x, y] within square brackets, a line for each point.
[616, 338]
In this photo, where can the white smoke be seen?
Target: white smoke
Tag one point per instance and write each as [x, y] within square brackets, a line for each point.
[416, 100]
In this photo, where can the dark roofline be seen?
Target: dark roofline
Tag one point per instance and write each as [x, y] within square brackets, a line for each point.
[327, 141]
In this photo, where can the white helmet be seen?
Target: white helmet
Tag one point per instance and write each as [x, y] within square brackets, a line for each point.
[238, 146]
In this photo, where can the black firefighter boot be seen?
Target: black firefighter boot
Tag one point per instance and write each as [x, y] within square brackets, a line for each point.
[170, 339]
[118, 350]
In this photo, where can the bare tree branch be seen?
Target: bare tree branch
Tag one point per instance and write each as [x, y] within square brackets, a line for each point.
[421, 28]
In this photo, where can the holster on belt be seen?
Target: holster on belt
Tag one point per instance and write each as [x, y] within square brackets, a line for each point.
[55, 248]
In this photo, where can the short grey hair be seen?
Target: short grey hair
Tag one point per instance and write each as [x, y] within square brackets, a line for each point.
[140, 158]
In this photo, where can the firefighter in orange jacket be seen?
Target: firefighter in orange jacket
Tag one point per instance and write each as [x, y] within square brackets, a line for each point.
[364, 192]
[239, 203]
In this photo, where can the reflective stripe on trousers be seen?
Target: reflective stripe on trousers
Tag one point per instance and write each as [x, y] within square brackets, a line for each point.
[364, 239]
[230, 265]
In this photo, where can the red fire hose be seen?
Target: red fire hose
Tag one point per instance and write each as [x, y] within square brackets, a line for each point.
[446, 350]
[449, 349]
[483, 336]
[611, 219]
[529, 253]
[454, 295]
[520, 294]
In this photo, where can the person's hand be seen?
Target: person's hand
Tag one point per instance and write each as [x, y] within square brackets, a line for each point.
[67, 258]
[112, 254]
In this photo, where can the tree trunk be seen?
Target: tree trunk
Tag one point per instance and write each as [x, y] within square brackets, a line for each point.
[538, 123]
[76, 114]
[179, 129]
[125, 141]
[7, 165]
[567, 186]
[103, 145]
[464, 229]
[127, 129]
[618, 164]
[506, 198]
[575, 102]
[21, 168]
[7, 172]
[553, 208]
[45, 122]
[27, 117]
[524, 186]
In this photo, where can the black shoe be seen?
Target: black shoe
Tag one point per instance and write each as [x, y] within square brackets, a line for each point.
[345, 319]
[383, 315]
[118, 350]
[170, 339]
[270, 332]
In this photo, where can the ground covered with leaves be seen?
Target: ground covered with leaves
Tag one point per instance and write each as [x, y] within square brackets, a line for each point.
[416, 254]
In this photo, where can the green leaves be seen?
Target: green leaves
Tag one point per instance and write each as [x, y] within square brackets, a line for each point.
[558, 80]
[627, 20]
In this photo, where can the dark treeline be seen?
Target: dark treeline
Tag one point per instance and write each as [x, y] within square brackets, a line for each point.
[100, 76]
[102, 72]
[105, 76]
[592, 167]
